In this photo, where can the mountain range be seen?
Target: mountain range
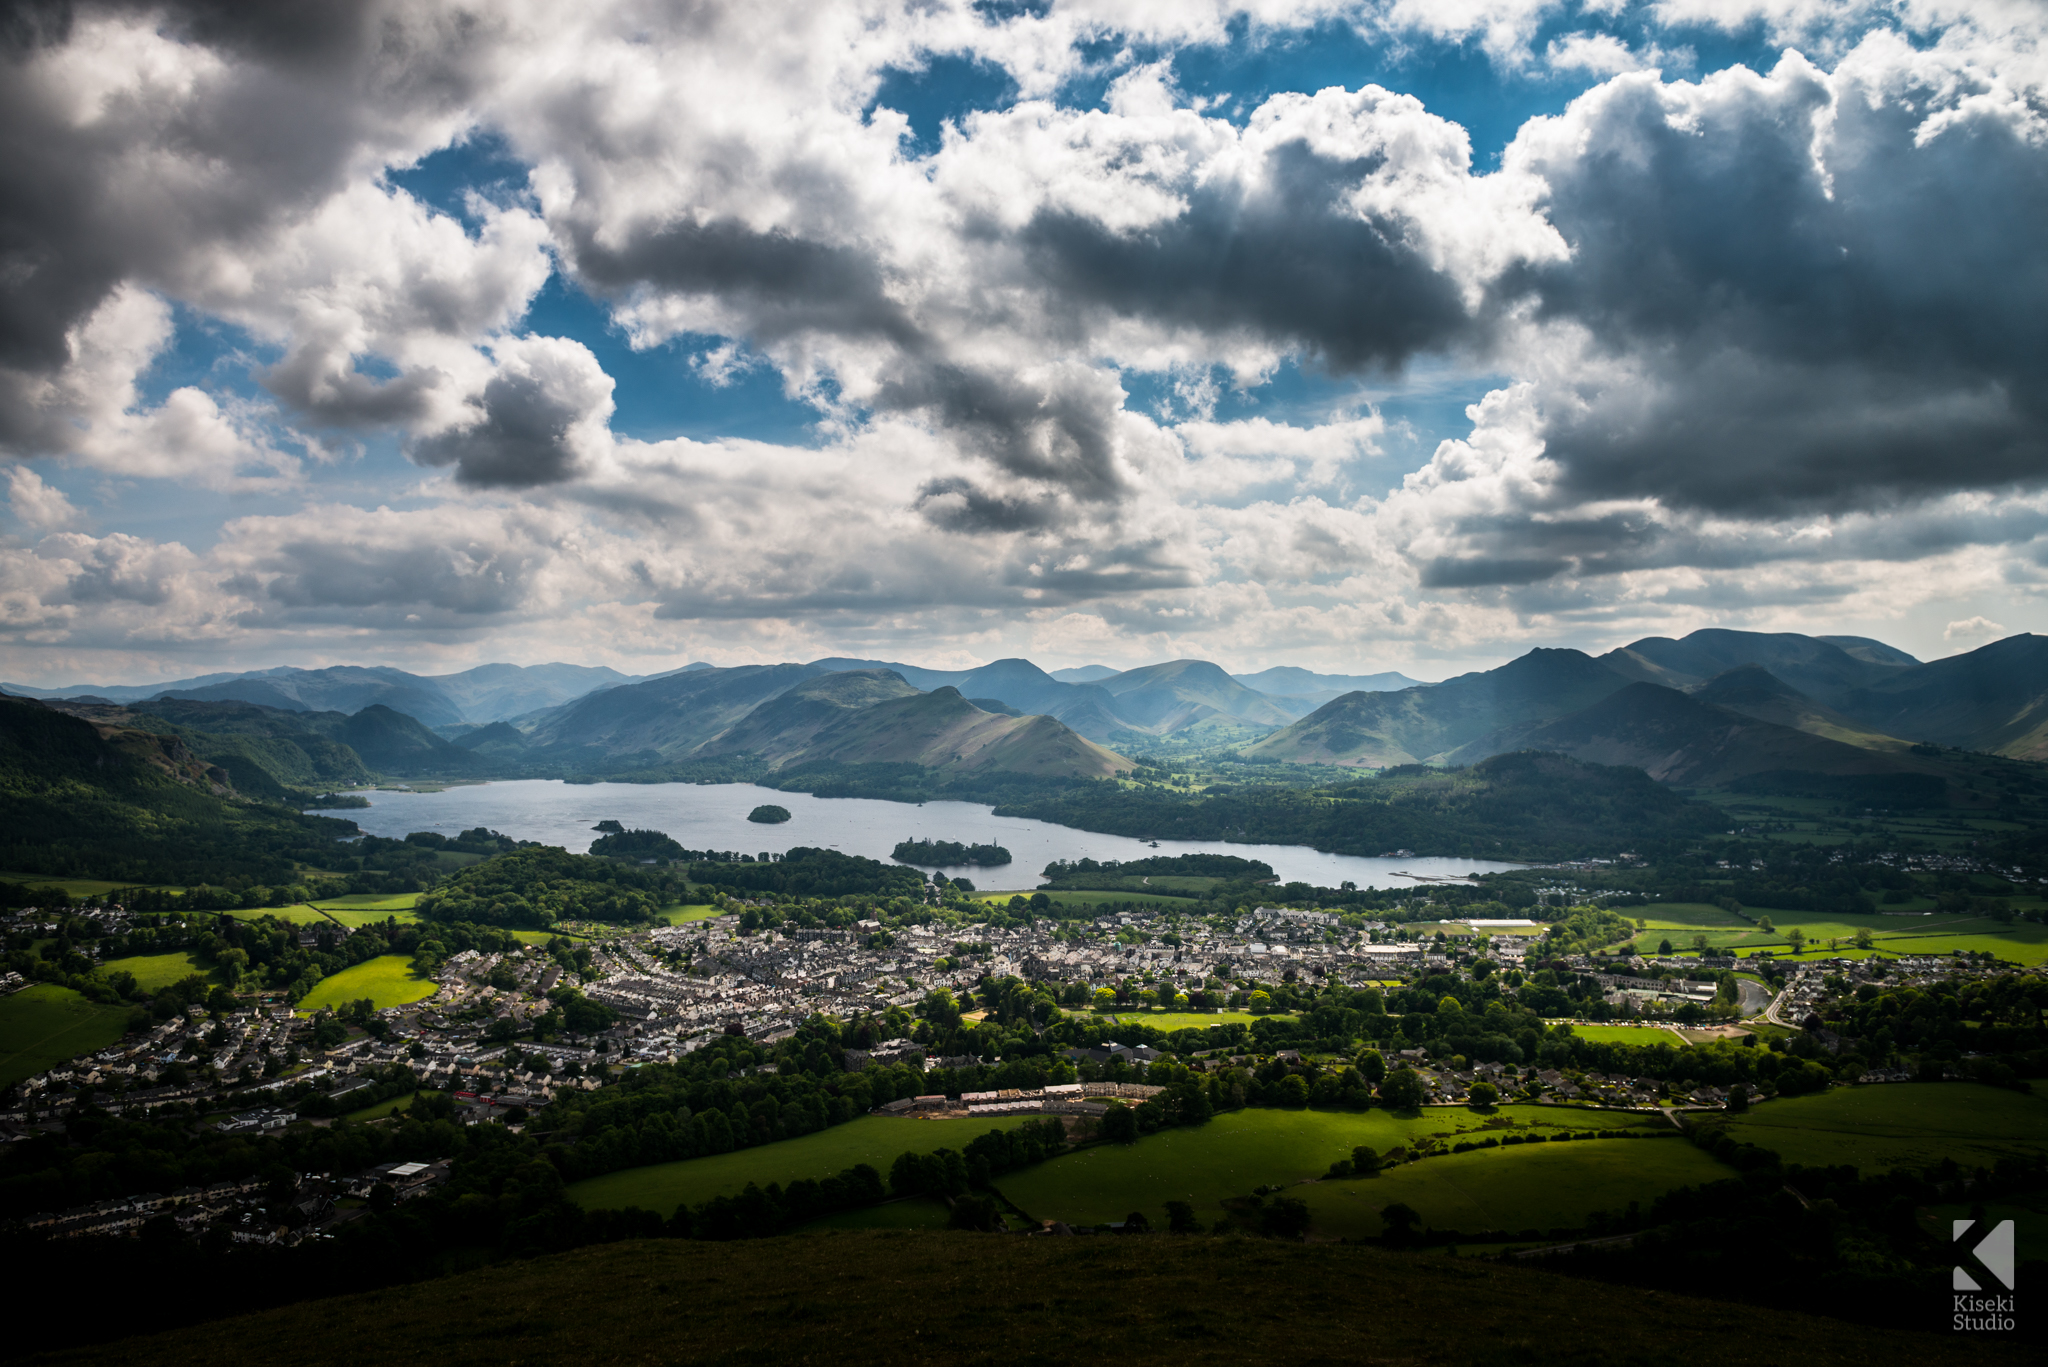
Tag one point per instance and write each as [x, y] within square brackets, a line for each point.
[1712, 708]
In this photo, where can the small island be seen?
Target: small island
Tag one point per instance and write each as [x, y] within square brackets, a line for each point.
[768, 814]
[950, 853]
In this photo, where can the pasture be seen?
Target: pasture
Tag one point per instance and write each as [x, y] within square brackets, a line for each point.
[1898, 1124]
[77, 887]
[1181, 1020]
[1241, 1150]
[42, 1026]
[1536, 1187]
[872, 1139]
[1627, 1034]
[156, 970]
[677, 916]
[1893, 932]
[387, 980]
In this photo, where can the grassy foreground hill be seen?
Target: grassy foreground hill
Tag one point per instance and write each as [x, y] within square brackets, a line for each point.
[910, 1297]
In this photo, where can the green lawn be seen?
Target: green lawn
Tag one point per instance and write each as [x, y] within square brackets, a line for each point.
[380, 1109]
[372, 901]
[1184, 1020]
[157, 970]
[1534, 1187]
[386, 980]
[1902, 1124]
[44, 1025]
[1626, 1034]
[1241, 1150]
[872, 1139]
[676, 916]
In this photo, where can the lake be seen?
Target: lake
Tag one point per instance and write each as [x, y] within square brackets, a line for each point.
[714, 817]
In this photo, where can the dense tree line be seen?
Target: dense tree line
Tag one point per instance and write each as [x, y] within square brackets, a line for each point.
[1517, 806]
[535, 888]
[805, 872]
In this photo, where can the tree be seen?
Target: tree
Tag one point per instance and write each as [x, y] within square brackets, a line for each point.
[973, 1212]
[1365, 1161]
[1664, 945]
[1699, 943]
[1484, 1095]
[1120, 1124]
[1864, 939]
[1373, 1066]
[1180, 1218]
[1796, 938]
[1136, 1223]
[1284, 1217]
[1738, 1097]
[1261, 1002]
[1400, 1220]
[1403, 1090]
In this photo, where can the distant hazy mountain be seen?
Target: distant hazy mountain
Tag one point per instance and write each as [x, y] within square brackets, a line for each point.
[1167, 697]
[785, 724]
[1023, 685]
[1819, 668]
[1994, 699]
[1680, 738]
[663, 718]
[1085, 674]
[942, 730]
[1286, 681]
[485, 694]
[269, 752]
[1755, 692]
[1845, 689]
[1424, 723]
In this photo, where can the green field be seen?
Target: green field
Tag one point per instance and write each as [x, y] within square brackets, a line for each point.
[872, 1139]
[676, 916]
[1627, 1034]
[380, 1109]
[372, 901]
[77, 887]
[44, 1025]
[1901, 1124]
[157, 970]
[386, 980]
[1245, 1149]
[1678, 922]
[1183, 1020]
[1536, 1187]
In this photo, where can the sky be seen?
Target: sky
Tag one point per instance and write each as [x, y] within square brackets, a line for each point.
[1350, 334]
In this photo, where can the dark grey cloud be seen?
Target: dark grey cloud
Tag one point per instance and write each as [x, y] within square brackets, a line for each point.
[960, 505]
[1288, 260]
[524, 438]
[1792, 335]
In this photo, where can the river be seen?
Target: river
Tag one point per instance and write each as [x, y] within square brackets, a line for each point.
[714, 817]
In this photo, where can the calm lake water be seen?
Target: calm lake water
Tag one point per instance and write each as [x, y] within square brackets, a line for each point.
[714, 817]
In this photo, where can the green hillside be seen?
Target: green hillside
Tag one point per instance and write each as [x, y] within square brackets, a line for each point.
[1418, 724]
[138, 807]
[910, 1297]
[942, 730]
[780, 728]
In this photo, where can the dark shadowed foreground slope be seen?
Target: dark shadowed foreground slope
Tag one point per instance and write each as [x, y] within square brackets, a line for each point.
[908, 1298]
